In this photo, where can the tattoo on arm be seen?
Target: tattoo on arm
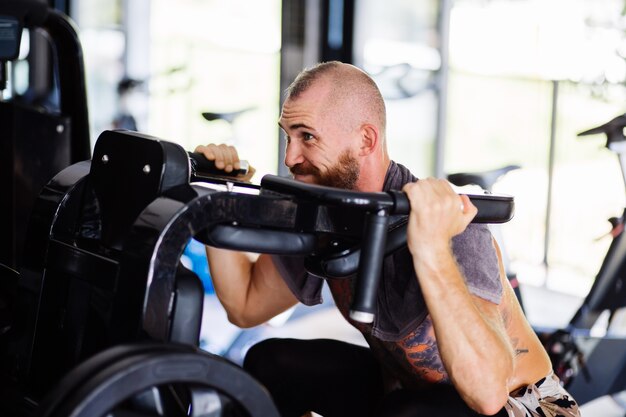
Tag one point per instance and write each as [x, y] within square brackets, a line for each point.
[518, 351]
[420, 349]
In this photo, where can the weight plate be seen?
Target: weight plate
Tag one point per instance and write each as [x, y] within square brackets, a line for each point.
[108, 391]
[79, 375]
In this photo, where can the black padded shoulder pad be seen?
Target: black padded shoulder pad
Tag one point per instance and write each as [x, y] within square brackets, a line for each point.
[261, 240]
[128, 171]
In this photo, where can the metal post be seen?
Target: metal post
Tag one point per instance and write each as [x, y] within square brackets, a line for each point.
[136, 59]
[442, 86]
[551, 155]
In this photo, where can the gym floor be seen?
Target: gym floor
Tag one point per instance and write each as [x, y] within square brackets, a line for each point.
[545, 307]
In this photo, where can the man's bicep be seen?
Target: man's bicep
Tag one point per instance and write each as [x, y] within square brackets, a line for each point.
[478, 261]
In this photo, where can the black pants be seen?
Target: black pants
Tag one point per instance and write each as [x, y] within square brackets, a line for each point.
[337, 379]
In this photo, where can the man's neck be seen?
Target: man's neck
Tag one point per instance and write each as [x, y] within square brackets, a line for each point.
[372, 176]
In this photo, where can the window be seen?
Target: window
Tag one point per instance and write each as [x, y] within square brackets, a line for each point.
[509, 59]
[396, 42]
[217, 56]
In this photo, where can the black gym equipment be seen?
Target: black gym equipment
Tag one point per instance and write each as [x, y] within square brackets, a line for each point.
[127, 376]
[85, 288]
[104, 311]
[99, 316]
[45, 128]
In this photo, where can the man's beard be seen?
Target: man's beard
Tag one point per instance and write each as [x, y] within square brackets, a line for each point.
[344, 174]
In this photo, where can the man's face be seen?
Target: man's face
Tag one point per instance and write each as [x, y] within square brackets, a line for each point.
[320, 148]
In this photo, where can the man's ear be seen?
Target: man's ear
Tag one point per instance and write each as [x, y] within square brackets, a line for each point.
[369, 139]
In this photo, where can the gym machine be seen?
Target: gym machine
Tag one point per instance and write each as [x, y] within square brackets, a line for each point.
[106, 320]
[44, 128]
[593, 366]
[98, 317]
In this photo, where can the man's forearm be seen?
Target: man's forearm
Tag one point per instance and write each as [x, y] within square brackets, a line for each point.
[470, 333]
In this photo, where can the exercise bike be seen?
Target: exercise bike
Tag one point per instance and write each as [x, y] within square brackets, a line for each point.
[592, 367]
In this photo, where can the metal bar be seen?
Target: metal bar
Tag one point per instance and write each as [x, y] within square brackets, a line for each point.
[551, 156]
[442, 86]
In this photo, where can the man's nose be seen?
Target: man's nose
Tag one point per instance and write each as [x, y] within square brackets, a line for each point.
[293, 154]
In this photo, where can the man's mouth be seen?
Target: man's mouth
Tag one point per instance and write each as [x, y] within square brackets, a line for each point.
[303, 171]
[304, 177]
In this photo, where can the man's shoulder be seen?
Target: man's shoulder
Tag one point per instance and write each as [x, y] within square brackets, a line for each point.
[477, 259]
[397, 175]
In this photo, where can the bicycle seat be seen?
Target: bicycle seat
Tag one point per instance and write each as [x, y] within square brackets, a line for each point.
[484, 179]
[226, 116]
[614, 130]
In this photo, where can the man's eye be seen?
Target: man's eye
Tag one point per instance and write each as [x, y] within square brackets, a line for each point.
[307, 136]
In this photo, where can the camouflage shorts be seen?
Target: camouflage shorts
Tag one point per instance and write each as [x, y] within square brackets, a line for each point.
[546, 398]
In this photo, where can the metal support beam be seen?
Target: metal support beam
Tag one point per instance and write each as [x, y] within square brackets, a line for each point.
[443, 25]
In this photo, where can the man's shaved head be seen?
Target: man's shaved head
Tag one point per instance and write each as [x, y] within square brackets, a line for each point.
[349, 89]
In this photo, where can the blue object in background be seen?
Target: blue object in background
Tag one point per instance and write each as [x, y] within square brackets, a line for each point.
[194, 258]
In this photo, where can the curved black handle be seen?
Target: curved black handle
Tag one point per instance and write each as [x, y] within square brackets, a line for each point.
[202, 167]
[492, 208]
[257, 240]
[324, 195]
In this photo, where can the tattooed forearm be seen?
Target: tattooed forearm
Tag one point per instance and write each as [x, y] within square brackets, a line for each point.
[419, 349]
